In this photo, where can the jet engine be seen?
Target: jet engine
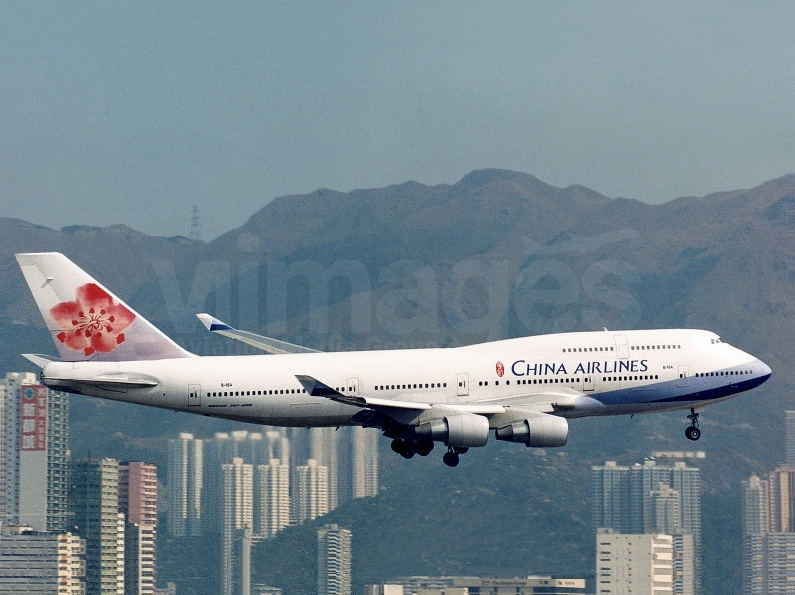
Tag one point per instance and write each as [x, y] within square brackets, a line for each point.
[541, 429]
[464, 430]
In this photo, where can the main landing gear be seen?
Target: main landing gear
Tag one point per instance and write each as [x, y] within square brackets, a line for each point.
[692, 432]
[407, 448]
[450, 458]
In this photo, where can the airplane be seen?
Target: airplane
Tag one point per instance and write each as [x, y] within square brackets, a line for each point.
[524, 389]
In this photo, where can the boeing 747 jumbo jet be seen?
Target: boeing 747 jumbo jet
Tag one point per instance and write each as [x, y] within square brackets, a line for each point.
[524, 389]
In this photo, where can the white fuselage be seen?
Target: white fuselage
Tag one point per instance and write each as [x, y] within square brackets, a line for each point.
[592, 373]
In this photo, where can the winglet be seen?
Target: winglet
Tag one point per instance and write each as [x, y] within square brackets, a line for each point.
[213, 324]
[265, 343]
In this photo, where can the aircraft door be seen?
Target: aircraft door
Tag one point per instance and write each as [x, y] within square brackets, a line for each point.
[683, 379]
[353, 386]
[463, 385]
[622, 348]
[194, 395]
[587, 384]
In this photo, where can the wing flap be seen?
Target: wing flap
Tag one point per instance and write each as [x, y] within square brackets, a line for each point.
[547, 401]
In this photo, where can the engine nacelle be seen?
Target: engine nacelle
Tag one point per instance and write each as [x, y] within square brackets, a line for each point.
[539, 430]
[464, 430]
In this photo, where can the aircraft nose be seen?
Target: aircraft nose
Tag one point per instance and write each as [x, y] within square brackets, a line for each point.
[764, 369]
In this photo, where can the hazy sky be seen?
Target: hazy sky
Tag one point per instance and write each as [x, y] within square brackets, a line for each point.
[132, 112]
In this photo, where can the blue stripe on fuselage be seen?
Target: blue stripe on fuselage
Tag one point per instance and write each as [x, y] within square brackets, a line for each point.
[698, 389]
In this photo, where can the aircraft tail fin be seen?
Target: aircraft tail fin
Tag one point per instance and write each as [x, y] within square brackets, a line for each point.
[88, 322]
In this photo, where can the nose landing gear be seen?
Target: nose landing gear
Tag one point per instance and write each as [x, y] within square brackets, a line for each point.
[692, 432]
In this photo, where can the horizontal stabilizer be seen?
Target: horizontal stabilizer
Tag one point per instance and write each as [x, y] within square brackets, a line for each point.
[260, 342]
[111, 382]
[39, 360]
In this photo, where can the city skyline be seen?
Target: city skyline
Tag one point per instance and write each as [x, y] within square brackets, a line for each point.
[665, 508]
[768, 516]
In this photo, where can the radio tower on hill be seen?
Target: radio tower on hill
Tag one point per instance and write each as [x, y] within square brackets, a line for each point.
[195, 232]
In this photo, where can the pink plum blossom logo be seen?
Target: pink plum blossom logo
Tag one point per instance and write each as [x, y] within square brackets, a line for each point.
[92, 322]
[500, 369]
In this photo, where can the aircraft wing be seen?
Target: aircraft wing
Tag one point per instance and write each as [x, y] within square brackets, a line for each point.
[316, 388]
[265, 343]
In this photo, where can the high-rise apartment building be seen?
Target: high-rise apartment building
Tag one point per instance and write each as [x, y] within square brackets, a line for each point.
[140, 559]
[684, 570]
[365, 462]
[781, 486]
[665, 510]
[34, 465]
[333, 560]
[138, 504]
[221, 450]
[121, 538]
[278, 446]
[237, 517]
[41, 563]
[789, 438]
[271, 498]
[769, 563]
[756, 506]
[94, 501]
[311, 491]
[138, 492]
[628, 564]
[185, 476]
[611, 497]
[768, 533]
[325, 450]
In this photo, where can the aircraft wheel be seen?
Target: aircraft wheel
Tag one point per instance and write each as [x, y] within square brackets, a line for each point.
[424, 447]
[693, 433]
[450, 459]
[396, 445]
